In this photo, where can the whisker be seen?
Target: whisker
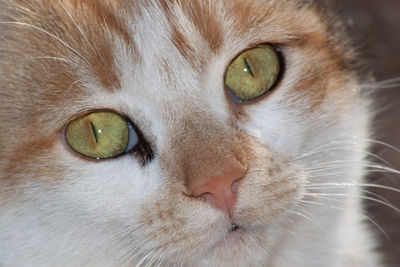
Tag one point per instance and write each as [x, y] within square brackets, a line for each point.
[336, 148]
[122, 233]
[340, 164]
[76, 25]
[307, 218]
[333, 144]
[152, 259]
[384, 144]
[385, 84]
[51, 57]
[320, 175]
[376, 224]
[372, 221]
[311, 202]
[128, 256]
[366, 192]
[46, 32]
[354, 185]
[359, 196]
[72, 85]
[143, 260]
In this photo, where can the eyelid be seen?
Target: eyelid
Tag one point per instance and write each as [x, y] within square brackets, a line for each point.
[241, 89]
[138, 147]
[116, 134]
[277, 46]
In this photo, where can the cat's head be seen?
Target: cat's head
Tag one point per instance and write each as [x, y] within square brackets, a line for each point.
[218, 163]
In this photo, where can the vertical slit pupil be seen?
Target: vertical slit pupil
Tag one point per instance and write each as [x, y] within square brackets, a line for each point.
[248, 67]
[94, 132]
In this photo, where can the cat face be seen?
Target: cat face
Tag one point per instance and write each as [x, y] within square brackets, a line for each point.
[212, 180]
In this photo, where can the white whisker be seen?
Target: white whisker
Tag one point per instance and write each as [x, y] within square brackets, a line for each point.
[46, 32]
[384, 144]
[353, 185]
[307, 218]
[51, 57]
[385, 84]
[76, 25]
[359, 196]
[342, 209]
[129, 255]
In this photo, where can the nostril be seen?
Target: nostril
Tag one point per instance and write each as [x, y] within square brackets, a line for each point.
[225, 182]
[235, 185]
[219, 190]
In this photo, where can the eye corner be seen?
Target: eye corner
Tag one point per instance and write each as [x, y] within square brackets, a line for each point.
[143, 150]
[136, 145]
[144, 153]
[101, 134]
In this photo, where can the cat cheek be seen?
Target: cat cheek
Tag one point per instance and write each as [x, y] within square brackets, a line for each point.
[269, 193]
[269, 189]
[178, 222]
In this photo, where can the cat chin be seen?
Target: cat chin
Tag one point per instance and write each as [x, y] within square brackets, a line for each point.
[164, 69]
[180, 225]
[243, 248]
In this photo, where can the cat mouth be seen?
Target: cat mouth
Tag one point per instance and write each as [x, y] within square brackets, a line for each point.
[234, 227]
[232, 238]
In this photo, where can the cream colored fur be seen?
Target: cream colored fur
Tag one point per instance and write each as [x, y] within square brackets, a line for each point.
[301, 144]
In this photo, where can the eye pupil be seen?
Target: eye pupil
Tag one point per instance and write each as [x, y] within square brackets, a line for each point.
[248, 67]
[252, 74]
[94, 132]
[101, 135]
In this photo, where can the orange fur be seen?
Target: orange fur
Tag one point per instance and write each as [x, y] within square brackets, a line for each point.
[161, 65]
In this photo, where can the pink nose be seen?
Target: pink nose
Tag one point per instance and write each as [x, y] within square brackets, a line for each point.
[220, 190]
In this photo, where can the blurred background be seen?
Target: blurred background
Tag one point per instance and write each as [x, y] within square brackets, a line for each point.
[375, 28]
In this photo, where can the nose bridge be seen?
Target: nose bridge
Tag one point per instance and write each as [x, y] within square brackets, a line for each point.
[203, 148]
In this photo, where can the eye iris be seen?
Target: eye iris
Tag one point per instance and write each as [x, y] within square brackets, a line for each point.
[98, 135]
[253, 73]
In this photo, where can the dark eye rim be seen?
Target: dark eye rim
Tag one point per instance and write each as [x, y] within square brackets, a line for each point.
[278, 49]
[142, 149]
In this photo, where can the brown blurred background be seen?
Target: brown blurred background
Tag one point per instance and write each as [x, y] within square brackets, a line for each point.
[376, 31]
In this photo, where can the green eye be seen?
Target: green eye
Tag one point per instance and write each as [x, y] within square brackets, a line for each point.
[252, 73]
[101, 135]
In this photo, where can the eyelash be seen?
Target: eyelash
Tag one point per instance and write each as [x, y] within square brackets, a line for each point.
[280, 54]
[142, 150]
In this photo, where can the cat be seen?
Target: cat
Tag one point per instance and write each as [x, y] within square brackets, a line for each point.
[181, 133]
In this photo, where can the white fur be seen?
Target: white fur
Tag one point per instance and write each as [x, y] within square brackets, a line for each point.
[91, 219]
